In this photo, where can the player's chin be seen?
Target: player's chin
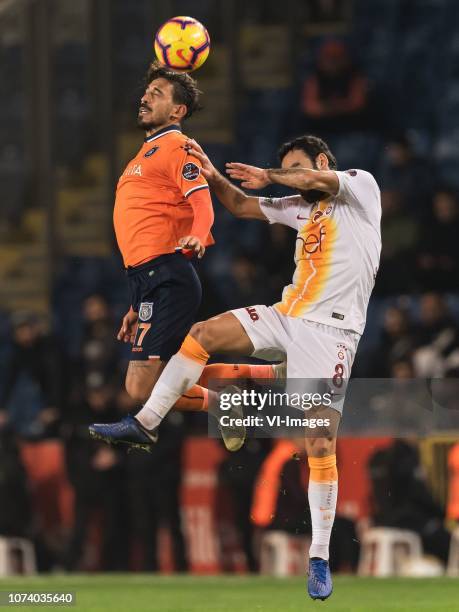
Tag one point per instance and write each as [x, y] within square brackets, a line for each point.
[144, 121]
[313, 195]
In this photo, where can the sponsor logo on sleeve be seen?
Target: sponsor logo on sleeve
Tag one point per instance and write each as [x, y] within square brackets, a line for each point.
[191, 171]
[351, 172]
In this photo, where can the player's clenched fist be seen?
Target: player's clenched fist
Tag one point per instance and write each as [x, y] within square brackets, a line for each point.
[192, 243]
[128, 327]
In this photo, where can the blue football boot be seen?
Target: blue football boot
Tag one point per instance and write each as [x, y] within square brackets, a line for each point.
[127, 431]
[320, 584]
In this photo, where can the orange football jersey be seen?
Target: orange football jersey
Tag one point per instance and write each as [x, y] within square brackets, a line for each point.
[151, 209]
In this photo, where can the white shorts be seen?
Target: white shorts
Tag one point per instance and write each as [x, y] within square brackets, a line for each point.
[313, 351]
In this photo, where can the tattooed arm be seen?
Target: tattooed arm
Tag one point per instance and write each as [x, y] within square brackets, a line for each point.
[302, 179]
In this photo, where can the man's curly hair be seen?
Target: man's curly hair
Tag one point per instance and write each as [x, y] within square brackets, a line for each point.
[312, 146]
[185, 87]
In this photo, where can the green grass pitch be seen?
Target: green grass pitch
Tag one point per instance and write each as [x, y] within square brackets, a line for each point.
[141, 592]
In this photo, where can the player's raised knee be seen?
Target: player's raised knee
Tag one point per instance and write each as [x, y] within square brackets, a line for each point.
[204, 333]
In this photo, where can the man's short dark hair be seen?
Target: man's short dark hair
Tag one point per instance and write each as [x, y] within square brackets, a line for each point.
[312, 146]
[185, 87]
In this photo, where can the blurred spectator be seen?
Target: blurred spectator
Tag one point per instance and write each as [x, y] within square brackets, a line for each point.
[153, 482]
[212, 302]
[335, 95]
[31, 397]
[15, 508]
[437, 337]
[396, 343]
[99, 350]
[400, 235]
[411, 175]
[277, 504]
[402, 499]
[238, 473]
[405, 408]
[278, 259]
[327, 11]
[438, 259]
[247, 284]
[96, 472]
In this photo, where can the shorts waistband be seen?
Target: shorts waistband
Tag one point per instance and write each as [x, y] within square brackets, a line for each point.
[155, 262]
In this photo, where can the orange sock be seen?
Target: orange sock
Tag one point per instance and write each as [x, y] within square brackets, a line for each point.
[323, 469]
[195, 399]
[227, 371]
[192, 349]
[322, 495]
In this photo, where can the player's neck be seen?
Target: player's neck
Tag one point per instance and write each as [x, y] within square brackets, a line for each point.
[157, 129]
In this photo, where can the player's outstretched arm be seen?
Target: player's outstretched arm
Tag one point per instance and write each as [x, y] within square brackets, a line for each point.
[233, 199]
[297, 178]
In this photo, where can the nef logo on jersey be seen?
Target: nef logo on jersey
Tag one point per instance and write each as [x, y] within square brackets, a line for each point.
[313, 241]
[145, 311]
[190, 171]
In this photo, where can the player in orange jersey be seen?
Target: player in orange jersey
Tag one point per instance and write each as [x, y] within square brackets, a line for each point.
[162, 208]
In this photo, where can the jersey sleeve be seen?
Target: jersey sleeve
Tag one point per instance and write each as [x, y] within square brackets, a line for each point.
[201, 203]
[281, 210]
[359, 188]
[188, 174]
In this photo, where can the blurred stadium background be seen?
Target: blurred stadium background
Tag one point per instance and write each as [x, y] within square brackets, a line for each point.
[71, 77]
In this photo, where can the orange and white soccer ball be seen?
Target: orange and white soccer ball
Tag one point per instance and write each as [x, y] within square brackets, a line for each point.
[182, 44]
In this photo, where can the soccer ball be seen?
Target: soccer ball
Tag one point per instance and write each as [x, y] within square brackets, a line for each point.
[182, 44]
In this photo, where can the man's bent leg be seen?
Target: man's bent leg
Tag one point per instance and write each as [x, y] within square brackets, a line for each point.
[198, 398]
[230, 371]
[225, 333]
[222, 334]
[141, 378]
